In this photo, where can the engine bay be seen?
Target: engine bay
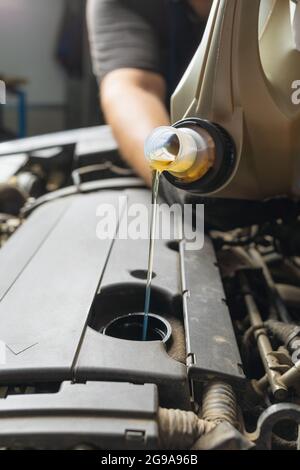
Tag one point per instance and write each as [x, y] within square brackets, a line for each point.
[222, 369]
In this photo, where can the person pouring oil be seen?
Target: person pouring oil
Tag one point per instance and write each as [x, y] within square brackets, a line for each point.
[140, 50]
[236, 140]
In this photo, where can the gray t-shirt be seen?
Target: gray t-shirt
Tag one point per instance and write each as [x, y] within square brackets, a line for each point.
[156, 35]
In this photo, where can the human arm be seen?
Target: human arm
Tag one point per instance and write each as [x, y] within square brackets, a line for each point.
[133, 104]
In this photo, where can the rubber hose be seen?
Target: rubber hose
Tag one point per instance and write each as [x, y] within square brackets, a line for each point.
[180, 429]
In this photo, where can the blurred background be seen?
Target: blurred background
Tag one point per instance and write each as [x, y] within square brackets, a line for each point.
[45, 63]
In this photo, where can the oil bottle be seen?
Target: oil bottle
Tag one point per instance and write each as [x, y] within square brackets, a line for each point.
[237, 130]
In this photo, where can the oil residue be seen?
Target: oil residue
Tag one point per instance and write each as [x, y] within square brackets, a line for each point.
[155, 186]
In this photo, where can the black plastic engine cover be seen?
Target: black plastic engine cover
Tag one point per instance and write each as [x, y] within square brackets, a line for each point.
[91, 416]
[60, 285]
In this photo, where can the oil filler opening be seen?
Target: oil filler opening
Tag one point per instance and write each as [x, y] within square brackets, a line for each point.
[130, 327]
[124, 299]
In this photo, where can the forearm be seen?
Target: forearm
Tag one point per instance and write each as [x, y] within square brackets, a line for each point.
[133, 110]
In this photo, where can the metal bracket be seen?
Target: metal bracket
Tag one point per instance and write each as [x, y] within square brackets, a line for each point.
[262, 437]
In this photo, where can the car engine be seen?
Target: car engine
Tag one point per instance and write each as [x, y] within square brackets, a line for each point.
[224, 370]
